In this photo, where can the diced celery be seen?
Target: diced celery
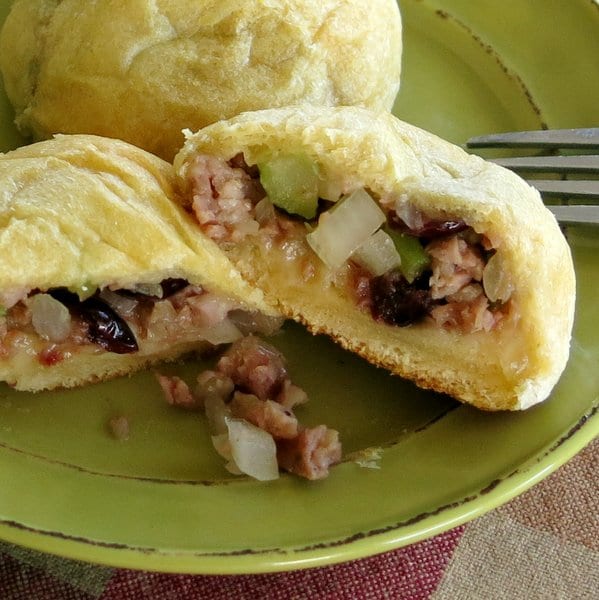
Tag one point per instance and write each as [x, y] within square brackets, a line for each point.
[414, 260]
[84, 291]
[291, 182]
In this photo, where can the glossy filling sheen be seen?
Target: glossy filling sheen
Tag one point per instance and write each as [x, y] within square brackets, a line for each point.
[398, 264]
[54, 324]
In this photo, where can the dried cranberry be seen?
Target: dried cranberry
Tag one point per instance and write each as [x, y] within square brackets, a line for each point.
[397, 302]
[172, 286]
[105, 327]
[429, 230]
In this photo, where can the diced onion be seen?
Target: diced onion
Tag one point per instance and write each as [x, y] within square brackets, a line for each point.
[377, 254]
[256, 322]
[50, 318]
[224, 332]
[410, 215]
[253, 450]
[210, 309]
[330, 189]
[496, 281]
[8, 298]
[264, 211]
[221, 444]
[149, 289]
[346, 226]
[233, 468]
[223, 447]
[216, 413]
[122, 305]
[247, 227]
[162, 320]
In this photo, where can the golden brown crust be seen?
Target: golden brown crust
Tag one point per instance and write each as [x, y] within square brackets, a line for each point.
[144, 70]
[85, 210]
[510, 368]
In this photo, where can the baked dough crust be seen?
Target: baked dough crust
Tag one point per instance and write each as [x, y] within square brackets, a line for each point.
[511, 367]
[85, 210]
[143, 70]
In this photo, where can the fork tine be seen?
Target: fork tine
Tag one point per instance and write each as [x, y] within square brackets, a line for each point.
[572, 188]
[576, 214]
[550, 138]
[586, 163]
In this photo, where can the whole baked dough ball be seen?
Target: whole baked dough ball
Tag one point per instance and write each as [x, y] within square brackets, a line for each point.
[143, 70]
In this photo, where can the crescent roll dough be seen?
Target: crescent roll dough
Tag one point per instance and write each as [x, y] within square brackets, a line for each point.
[479, 303]
[143, 70]
[102, 273]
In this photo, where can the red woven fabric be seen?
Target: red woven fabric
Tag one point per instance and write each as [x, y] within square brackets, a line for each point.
[19, 581]
[411, 573]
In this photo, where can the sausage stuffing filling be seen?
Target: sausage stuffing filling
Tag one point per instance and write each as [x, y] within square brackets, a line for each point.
[399, 265]
[57, 323]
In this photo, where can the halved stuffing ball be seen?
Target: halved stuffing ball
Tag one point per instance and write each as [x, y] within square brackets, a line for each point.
[144, 70]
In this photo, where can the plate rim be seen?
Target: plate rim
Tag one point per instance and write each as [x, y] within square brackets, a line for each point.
[360, 545]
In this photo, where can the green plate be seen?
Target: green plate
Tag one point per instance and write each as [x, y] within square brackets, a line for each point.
[163, 501]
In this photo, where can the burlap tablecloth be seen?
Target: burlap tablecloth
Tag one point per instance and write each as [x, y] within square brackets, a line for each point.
[542, 545]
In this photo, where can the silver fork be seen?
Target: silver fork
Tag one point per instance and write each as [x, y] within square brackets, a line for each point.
[564, 189]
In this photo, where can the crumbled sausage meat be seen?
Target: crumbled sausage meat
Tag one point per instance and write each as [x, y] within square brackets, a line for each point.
[177, 392]
[268, 415]
[212, 384]
[455, 263]
[127, 320]
[250, 382]
[254, 367]
[311, 453]
[223, 198]
[291, 395]
[467, 310]
[119, 427]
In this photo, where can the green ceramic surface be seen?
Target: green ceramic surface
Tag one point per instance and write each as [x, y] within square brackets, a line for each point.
[162, 500]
